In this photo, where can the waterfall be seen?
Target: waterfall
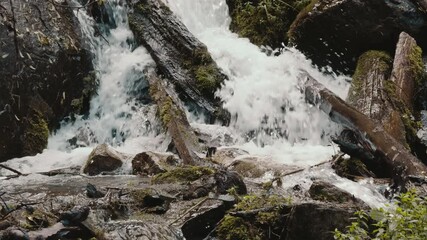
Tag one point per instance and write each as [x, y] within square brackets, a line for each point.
[263, 95]
[263, 92]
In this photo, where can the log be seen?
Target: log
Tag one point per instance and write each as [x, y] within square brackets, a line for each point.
[397, 157]
[370, 90]
[180, 57]
[407, 69]
[174, 120]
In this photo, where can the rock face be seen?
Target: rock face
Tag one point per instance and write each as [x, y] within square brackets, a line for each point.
[336, 32]
[103, 159]
[44, 71]
[180, 57]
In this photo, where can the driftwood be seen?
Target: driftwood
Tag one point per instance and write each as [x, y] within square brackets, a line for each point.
[397, 157]
[174, 120]
[180, 57]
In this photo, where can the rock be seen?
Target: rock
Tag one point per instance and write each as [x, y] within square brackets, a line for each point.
[44, 68]
[204, 220]
[103, 158]
[327, 192]
[92, 192]
[264, 22]
[182, 175]
[226, 155]
[336, 32]
[150, 202]
[180, 57]
[151, 163]
[350, 167]
[256, 167]
[76, 215]
[314, 221]
[226, 180]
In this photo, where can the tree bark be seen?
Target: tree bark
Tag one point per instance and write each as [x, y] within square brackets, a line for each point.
[405, 74]
[180, 57]
[392, 152]
[370, 90]
[174, 120]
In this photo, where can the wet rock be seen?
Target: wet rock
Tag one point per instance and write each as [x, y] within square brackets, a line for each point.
[314, 221]
[225, 156]
[204, 220]
[256, 167]
[182, 175]
[219, 183]
[76, 215]
[151, 163]
[103, 159]
[351, 168]
[337, 32]
[43, 68]
[150, 201]
[327, 192]
[92, 192]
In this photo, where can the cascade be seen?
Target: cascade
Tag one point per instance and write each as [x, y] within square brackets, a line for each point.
[269, 114]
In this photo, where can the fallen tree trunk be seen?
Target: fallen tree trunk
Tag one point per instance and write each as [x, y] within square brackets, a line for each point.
[180, 57]
[397, 157]
[174, 120]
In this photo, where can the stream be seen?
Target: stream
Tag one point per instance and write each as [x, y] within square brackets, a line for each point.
[270, 118]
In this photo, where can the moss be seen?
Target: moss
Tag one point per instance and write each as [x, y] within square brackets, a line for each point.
[265, 22]
[182, 174]
[235, 228]
[417, 65]
[36, 134]
[165, 111]
[261, 225]
[364, 65]
[351, 167]
[207, 78]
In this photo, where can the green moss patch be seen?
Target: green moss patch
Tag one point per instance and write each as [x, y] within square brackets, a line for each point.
[260, 225]
[36, 134]
[182, 174]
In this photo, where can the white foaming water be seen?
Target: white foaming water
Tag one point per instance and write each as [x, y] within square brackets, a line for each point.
[115, 116]
[263, 93]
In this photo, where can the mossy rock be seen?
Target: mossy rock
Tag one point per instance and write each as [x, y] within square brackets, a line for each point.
[36, 134]
[264, 22]
[351, 167]
[182, 175]
[258, 226]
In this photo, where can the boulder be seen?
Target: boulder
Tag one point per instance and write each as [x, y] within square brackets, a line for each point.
[45, 73]
[103, 159]
[326, 192]
[337, 32]
[151, 163]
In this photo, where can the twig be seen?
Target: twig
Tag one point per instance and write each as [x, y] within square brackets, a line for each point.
[189, 210]
[11, 169]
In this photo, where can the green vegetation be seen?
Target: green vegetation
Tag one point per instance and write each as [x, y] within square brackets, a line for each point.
[407, 219]
[267, 218]
[265, 22]
[182, 174]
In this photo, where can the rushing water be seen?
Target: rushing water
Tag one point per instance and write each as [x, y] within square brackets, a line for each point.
[270, 115]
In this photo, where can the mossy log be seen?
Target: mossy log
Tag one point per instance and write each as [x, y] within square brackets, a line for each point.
[376, 139]
[180, 57]
[408, 69]
[174, 120]
[370, 93]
